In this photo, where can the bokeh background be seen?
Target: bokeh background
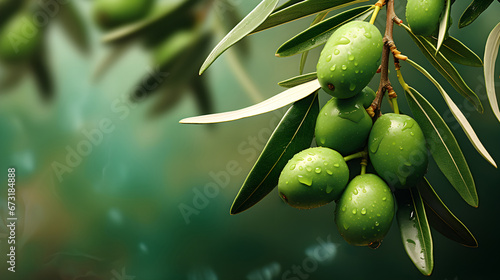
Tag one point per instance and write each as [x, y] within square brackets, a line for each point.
[112, 187]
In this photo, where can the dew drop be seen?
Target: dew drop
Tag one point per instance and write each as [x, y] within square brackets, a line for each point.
[332, 68]
[344, 67]
[301, 168]
[317, 170]
[407, 125]
[336, 165]
[325, 163]
[363, 211]
[343, 41]
[309, 169]
[350, 57]
[377, 224]
[329, 172]
[384, 198]
[352, 87]
[346, 226]
[355, 192]
[355, 64]
[309, 159]
[292, 167]
[328, 58]
[336, 52]
[329, 189]
[412, 134]
[368, 35]
[305, 180]
[354, 211]
[401, 148]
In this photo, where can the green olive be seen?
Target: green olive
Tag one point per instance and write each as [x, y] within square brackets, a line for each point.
[19, 38]
[343, 125]
[313, 177]
[397, 150]
[423, 15]
[112, 13]
[365, 211]
[350, 59]
[366, 97]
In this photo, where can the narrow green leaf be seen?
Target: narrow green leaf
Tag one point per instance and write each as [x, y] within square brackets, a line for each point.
[303, 9]
[445, 68]
[280, 100]
[442, 219]
[74, 26]
[293, 134]
[247, 25]
[456, 51]
[415, 230]
[318, 34]
[443, 26]
[476, 8]
[443, 146]
[298, 80]
[43, 76]
[319, 17]
[459, 116]
[490, 57]
[287, 4]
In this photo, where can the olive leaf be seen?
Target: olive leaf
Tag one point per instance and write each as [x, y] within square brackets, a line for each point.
[476, 8]
[443, 146]
[298, 80]
[303, 9]
[280, 100]
[415, 230]
[443, 25]
[442, 219]
[74, 26]
[319, 17]
[456, 51]
[490, 57]
[293, 134]
[41, 71]
[459, 116]
[318, 34]
[445, 68]
[287, 4]
[242, 29]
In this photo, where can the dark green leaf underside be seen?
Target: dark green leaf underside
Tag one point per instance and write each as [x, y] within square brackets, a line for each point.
[456, 51]
[446, 69]
[415, 230]
[302, 9]
[442, 219]
[475, 9]
[443, 146]
[293, 134]
[318, 34]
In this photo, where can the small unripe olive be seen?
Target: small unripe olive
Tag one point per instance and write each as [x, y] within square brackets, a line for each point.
[423, 15]
[112, 13]
[19, 38]
[364, 213]
[349, 59]
[366, 97]
[313, 177]
[343, 125]
[397, 150]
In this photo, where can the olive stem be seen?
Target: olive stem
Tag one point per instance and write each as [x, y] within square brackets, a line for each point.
[361, 154]
[385, 84]
[395, 105]
[364, 163]
[374, 15]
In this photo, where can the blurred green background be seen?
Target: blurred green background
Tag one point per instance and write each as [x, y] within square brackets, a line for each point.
[108, 188]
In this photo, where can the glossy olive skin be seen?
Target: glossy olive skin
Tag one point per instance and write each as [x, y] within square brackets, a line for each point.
[343, 125]
[366, 97]
[313, 177]
[397, 150]
[423, 15]
[349, 59]
[112, 13]
[19, 38]
[365, 211]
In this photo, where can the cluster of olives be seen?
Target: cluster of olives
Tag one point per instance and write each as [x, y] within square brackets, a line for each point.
[394, 144]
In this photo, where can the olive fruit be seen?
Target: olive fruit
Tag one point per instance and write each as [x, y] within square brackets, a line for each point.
[112, 13]
[19, 38]
[397, 150]
[366, 97]
[343, 125]
[365, 211]
[313, 177]
[349, 59]
[423, 15]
